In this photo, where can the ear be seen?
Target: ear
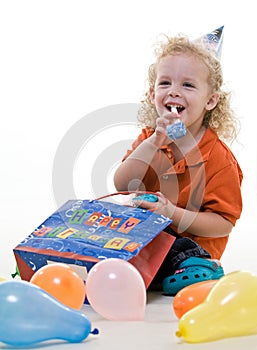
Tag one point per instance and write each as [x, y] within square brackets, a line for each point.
[212, 101]
[152, 95]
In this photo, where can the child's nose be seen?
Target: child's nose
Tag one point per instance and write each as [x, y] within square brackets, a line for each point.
[174, 91]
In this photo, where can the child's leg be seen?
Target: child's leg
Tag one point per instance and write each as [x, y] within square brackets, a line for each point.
[181, 249]
[190, 271]
[173, 275]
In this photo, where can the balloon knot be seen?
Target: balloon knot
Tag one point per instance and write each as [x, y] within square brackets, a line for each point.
[95, 331]
[178, 334]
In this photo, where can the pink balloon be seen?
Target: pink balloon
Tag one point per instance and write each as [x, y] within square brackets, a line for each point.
[116, 290]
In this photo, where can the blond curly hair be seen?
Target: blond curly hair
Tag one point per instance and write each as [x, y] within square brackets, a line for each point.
[221, 119]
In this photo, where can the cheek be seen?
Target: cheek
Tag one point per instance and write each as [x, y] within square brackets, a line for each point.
[157, 98]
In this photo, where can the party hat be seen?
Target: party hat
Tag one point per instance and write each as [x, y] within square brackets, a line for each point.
[213, 40]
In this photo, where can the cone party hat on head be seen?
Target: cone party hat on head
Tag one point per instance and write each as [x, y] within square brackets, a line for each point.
[213, 40]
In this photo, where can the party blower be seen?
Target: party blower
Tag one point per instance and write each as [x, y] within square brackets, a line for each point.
[30, 315]
[177, 129]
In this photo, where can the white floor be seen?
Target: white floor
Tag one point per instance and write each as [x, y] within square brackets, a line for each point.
[156, 332]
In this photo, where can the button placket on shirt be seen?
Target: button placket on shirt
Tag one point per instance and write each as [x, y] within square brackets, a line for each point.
[178, 168]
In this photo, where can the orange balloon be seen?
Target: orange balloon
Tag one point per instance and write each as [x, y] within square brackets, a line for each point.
[191, 296]
[62, 282]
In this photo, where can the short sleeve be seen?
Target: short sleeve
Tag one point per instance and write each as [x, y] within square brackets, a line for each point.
[223, 190]
[145, 133]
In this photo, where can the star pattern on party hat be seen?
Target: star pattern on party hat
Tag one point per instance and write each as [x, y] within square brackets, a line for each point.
[213, 40]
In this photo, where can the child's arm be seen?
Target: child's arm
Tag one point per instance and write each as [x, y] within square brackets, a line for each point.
[204, 224]
[131, 172]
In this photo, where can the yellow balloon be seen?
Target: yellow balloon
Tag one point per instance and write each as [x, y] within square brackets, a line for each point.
[230, 310]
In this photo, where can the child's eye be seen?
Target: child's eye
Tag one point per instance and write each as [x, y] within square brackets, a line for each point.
[187, 84]
[164, 82]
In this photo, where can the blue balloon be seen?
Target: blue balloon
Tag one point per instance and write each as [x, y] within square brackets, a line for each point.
[29, 315]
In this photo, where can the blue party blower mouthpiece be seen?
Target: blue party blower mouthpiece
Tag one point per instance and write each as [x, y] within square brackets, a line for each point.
[177, 129]
[29, 315]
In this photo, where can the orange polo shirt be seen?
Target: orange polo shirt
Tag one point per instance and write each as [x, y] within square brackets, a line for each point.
[208, 178]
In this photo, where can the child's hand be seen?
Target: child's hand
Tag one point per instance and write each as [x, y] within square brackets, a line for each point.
[162, 207]
[160, 136]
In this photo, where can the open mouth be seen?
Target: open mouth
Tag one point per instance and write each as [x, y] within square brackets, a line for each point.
[178, 107]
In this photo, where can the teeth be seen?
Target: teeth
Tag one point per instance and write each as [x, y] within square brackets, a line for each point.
[174, 108]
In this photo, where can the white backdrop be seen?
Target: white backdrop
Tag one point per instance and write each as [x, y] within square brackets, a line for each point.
[61, 60]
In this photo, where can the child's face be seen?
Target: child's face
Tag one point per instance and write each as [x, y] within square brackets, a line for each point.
[182, 81]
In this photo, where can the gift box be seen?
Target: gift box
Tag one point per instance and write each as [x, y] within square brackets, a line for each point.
[82, 232]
